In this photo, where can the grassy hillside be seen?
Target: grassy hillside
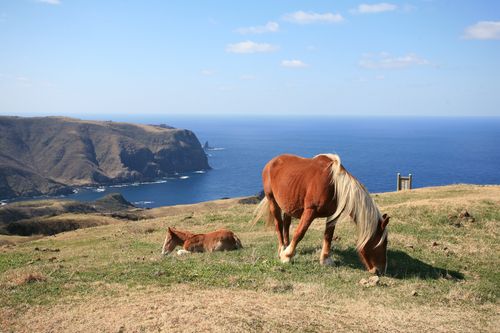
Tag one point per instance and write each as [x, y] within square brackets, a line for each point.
[442, 276]
[49, 217]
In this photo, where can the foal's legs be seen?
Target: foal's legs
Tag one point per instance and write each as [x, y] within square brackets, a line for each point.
[287, 220]
[307, 217]
[278, 222]
[324, 258]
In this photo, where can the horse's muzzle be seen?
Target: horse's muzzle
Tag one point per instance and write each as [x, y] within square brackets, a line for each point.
[378, 271]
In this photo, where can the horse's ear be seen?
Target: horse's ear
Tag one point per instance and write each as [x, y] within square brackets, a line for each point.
[385, 221]
[170, 230]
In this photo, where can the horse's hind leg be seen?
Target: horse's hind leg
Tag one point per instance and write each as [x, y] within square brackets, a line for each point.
[307, 217]
[278, 222]
[287, 220]
[324, 258]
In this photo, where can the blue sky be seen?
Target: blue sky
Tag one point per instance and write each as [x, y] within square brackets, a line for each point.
[69, 57]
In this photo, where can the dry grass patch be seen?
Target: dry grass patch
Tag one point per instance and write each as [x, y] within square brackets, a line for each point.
[187, 309]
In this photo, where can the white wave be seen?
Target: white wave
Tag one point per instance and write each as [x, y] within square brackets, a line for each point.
[183, 177]
[75, 191]
[143, 202]
[216, 148]
[120, 185]
[155, 182]
[199, 171]
[2, 203]
[100, 189]
[161, 181]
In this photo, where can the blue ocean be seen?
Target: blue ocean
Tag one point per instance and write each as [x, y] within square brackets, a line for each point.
[436, 151]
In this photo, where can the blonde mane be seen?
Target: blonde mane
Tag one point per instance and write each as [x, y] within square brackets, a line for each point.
[353, 200]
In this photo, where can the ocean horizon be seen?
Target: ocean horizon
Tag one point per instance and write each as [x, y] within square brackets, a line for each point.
[435, 150]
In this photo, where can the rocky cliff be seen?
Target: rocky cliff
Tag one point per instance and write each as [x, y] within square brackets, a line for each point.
[49, 155]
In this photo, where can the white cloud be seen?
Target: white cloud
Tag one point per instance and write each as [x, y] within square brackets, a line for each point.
[294, 64]
[50, 2]
[269, 27]
[251, 47]
[386, 61]
[483, 30]
[302, 17]
[375, 8]
[207, 72]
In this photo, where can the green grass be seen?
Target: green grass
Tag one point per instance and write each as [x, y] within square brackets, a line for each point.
[461, 269]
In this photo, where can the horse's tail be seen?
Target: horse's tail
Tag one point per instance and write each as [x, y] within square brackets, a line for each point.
[238, 242]
[263, 211]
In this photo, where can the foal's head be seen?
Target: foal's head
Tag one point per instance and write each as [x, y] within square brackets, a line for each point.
[374, 253]
[172, 239]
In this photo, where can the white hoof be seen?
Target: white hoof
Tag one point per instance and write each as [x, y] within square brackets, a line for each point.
[285, 259]
[287, 252]
[182, 252]
[286, 255]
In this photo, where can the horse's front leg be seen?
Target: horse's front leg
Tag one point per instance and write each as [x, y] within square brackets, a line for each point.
[324, 258]
[307, 217]
[187, 248]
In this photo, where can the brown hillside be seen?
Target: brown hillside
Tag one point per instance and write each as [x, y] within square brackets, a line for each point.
[45, 155]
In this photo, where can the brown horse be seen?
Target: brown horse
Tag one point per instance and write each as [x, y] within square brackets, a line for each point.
[321, 187]
[220, 240]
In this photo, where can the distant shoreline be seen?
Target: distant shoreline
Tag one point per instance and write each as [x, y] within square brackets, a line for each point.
[6, 202]
[74, 189]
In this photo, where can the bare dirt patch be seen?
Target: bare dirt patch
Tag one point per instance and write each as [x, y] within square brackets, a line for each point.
[21, 278]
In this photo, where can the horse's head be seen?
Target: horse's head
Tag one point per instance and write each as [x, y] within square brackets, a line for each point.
[374, 253]
[171, 241]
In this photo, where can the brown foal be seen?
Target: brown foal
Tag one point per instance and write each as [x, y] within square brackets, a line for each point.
[220, 240]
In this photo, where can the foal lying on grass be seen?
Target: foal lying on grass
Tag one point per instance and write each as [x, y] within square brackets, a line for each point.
[220, 240]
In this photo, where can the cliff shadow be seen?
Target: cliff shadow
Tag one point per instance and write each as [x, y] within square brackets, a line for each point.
[400, 265]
